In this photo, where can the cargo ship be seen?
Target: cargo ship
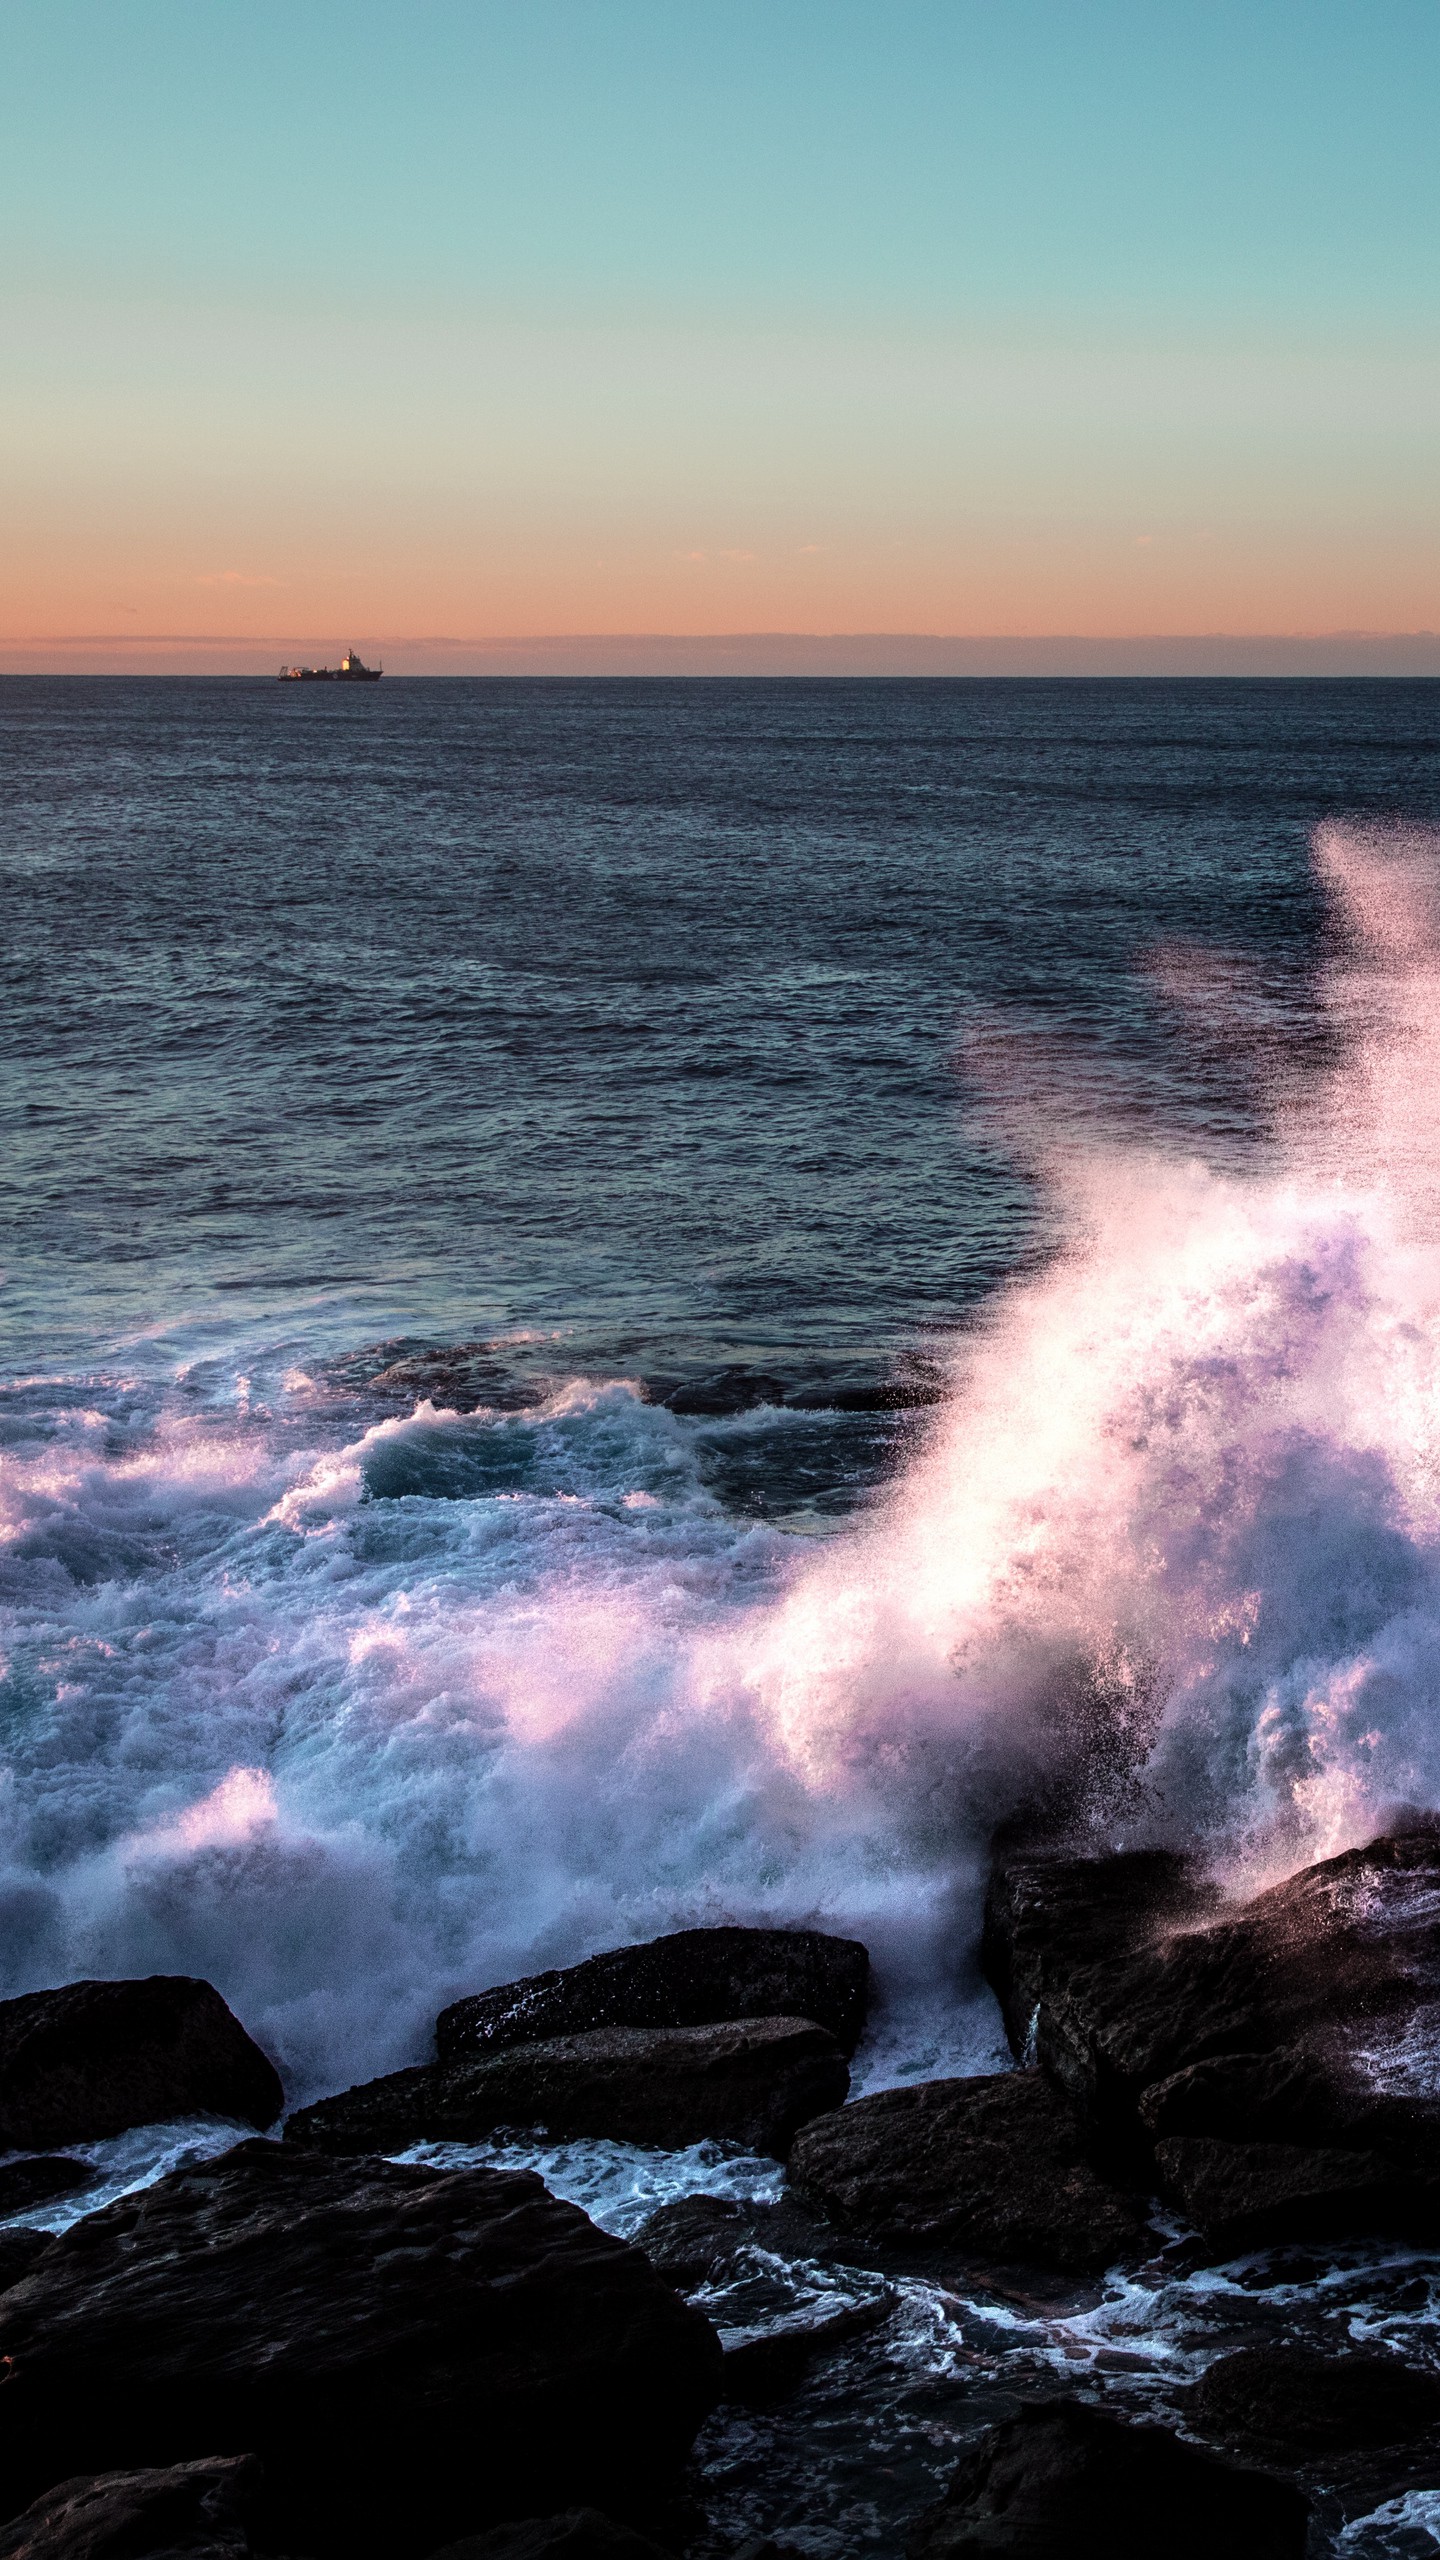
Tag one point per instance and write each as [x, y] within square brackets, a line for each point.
[351, 670]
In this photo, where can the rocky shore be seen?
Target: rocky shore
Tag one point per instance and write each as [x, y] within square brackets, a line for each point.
[306, 2345]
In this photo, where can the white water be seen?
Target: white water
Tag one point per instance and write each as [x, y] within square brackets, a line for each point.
[352, 1727]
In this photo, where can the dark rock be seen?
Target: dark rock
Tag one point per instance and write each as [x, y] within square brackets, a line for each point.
[727, 1391]
[751, 2081]
[1062, 2478]
[694, 1978]
[1241, 2097]
[1052, 1920]
[1308, 2016]
[377, 2116]
[198, 2509]
[93, 2058]
[459, 1379]
[30, 2182]
[1245, 2195]
[760, 2372]
[1298, 2399]
[994, 2166]
[694, 2238]
[903, 1390]
[697, 2239]
[19, 2250]
[412, 2353]
[581, 2534]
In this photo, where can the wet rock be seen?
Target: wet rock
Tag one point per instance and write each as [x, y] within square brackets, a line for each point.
[1054, 1925]
[198, 2509]
[727, 1391]
[903, 1389]
[1310, 2015]
[693, 1978]
[1041, 1905]
[19, 2250]
[461, 1378]
[413, 2353]
[995, 2167]
[24, 2183]
[750, 2081]
[583, 2533]
[1306, 2402]
[695, 2238]
[93, 2058]
[377, 2116]
[760, 2372]
[1239, 2097]
[1064, 2478]
[1244, 2195]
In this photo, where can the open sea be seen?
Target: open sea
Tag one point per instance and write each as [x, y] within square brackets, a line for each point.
[632, 1303]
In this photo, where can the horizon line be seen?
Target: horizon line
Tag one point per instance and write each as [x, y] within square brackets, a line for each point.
[1356, 652]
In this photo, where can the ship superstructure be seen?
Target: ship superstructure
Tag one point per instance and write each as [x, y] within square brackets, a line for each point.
[351, 670]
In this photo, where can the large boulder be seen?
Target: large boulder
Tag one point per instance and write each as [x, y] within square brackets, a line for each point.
[1050, 1918]
[194, 2511]
[1308, 2017]
[695, 1978]
[994, 2167]
[382, 2115]
[19, 2249]
[1247, 2195]
[1064, 2478]
[750, 2080]
[413, 2353]
[93, 2058]
[1304, 2403]
[25, 2184]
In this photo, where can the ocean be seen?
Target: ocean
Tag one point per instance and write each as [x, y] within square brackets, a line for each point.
[925, 1193]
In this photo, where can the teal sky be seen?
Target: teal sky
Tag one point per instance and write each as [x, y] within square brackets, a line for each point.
[586, 315]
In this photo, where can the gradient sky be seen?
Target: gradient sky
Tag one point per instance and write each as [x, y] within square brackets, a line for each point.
[327, 323]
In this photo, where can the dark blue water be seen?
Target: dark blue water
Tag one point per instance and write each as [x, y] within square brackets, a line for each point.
[632, 1008]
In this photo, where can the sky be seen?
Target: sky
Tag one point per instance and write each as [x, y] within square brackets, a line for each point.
[436, 325]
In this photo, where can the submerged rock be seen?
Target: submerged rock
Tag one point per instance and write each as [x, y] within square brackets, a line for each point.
[93, 2058]
[413, 2353]
[24, 2183]
[463, 1377]
[994, 2166]
[726, 1391]
[751, 2081]
[198, 2509]
[1295, 2398]
[1308, 2017]
[1063, 2478]
[693, 1978]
